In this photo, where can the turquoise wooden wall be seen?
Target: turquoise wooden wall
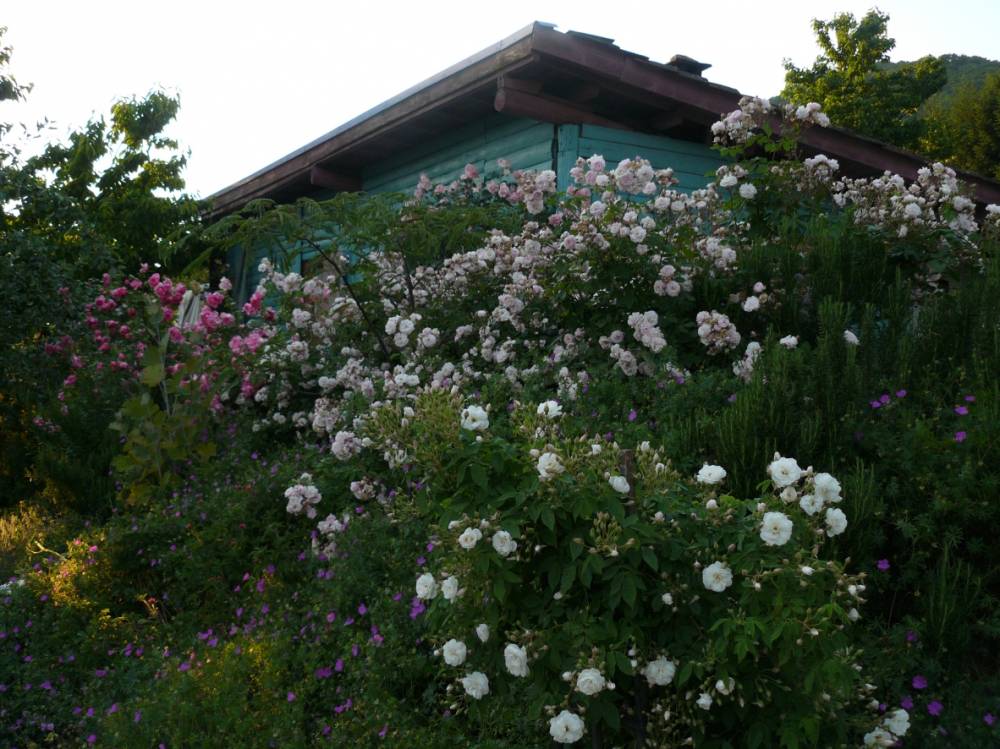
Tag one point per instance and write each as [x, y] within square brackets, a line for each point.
[527, 144]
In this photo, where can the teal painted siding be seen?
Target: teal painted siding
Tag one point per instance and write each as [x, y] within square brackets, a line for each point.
[691, 162]
[527, 144]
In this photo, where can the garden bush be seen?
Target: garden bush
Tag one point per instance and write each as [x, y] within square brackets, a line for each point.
[622, 465]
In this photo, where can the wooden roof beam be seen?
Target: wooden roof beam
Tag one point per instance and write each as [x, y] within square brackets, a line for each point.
[320, 177]
[548, 109]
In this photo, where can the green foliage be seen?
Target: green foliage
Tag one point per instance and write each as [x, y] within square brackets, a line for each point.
[855, 88]
[965, 130]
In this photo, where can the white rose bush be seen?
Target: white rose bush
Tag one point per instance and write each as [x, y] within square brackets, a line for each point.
[583, 467]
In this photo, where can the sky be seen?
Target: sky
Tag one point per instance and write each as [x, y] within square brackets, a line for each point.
[257, 80]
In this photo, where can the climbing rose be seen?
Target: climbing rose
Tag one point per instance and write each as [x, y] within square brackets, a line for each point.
[476, 685]
[454, 652]
[784, 471]
[660, 672]
[566, 728]
[516, 660]
[427, 586]
[776, 529]
[717, 577]
[590, 681]
[711, 474]
[475, 419]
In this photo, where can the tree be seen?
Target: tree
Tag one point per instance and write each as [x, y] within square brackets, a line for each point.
[965, 132]
[856, 89]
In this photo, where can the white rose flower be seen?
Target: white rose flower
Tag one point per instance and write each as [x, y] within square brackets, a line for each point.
[784, 472]
[595, 449]
[566, 728]
[475, 419]
[850, 338]
[898, 721]
[789, 495]
[590, 681]
[710, 474]
[725, 687]
[704, 701]
[752, 304]
[827, 488]
[776, 529]
[836, 522]
[728, 181]
[853, 615]
[879, 737]
[476, 685]
[516, 660]
[789, 341]
[504, 544]
[549, 409]
[427, 586]
[449, 588]
[811, 504]
[747, 191]
[549, 466]
[483, 632]
[667, 599]
[469, 538]
[660, 672]
[717, 577]
[619, 484]
[806, 570]
[454, 652]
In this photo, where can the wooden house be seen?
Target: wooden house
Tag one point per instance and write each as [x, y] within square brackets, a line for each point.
[539, 98]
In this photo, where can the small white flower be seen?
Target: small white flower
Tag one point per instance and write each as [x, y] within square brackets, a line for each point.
[595, 449]
[549, 409]
[827, 488]
[853, 615]
[789, 495]
[504, 544]
[775, 529]
[806, 570]
[619, 484]
[729, 180]
[566, 728]
[711, 505]
[449, 588]
[850, 338]
[549, 466]
[475, 419]
[710, 474]
[667, 599]
[476, 685]
[454, 652]
[427, 586]
[789, 341]
[717, 577]
[784, 472]
[898, 721]
[747, 191]
[469, 538]
[836, 522]
[660, 672]
[879, 736]
[725, 687]
[516, 659]
[590, 681]
[483, 632]
[811, 504]
[704, 701]
[752, 304]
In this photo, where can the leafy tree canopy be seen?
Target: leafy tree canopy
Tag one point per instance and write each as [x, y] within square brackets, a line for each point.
[855, 87]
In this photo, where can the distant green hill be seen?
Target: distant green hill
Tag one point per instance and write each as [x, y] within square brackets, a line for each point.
[961, 69]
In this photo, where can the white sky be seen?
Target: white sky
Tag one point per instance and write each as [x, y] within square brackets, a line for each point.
[259, 79]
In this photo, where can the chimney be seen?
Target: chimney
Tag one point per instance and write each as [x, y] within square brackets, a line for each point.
[689, 65]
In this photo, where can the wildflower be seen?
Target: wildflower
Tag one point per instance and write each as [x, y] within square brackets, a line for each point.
[960, 436]
[919, 682]
[934, 708]
[882, 564]
[989, 719]
[962, 410]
